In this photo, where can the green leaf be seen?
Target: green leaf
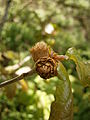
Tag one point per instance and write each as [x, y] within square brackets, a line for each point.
[83, 68]
[10, 91]
[62, 107]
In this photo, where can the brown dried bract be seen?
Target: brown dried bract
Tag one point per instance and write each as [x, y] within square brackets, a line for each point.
[40, 50]
[46, 67]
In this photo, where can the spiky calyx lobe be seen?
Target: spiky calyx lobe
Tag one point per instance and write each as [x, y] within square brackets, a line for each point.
[40, 50]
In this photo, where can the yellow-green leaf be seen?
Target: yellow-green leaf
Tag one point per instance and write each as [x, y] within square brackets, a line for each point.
[83, 68]
[62, 107]
[10, 90]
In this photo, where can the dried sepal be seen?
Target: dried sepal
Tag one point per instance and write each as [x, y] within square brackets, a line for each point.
[46, 67]
[40, 50]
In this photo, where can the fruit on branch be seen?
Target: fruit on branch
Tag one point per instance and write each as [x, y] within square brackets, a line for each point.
[46, 67]
[46, 60]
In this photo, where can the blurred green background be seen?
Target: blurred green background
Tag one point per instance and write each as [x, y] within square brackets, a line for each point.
[61, 24]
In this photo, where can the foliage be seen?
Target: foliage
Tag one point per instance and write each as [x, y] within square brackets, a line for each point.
[62, 107]
[25, 25]
[83, 68]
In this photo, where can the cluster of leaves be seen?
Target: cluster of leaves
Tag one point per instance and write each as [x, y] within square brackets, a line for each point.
[24, 27]
[62, 107]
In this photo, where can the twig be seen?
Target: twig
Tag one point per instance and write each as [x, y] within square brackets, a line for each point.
[4, 19]
[72, 5]
[25, 5]
[21, 9]
[18, 65]
[17, 78]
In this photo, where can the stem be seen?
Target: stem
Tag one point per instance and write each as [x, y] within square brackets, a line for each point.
[4, 19]
[17, 78]
[62, 57]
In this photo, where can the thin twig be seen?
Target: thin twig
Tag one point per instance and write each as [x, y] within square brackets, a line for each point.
[21, 9]
[14, 67]
[4, 19]
[17, 78]
[73, 5]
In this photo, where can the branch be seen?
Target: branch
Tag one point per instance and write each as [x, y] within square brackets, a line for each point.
[72, 5]
[17, 78]
[21, 9]
[18, 65]
[4, 19]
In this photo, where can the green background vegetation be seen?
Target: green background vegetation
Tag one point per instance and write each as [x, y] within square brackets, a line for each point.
[22, 27]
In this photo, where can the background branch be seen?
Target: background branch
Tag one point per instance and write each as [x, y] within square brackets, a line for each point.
[31, 72]
[4, 19]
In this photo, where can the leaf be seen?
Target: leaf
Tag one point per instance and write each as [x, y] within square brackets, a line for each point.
[83, 68]
[10, 90]
[10, 55]
[62, 107]
[24, 85]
